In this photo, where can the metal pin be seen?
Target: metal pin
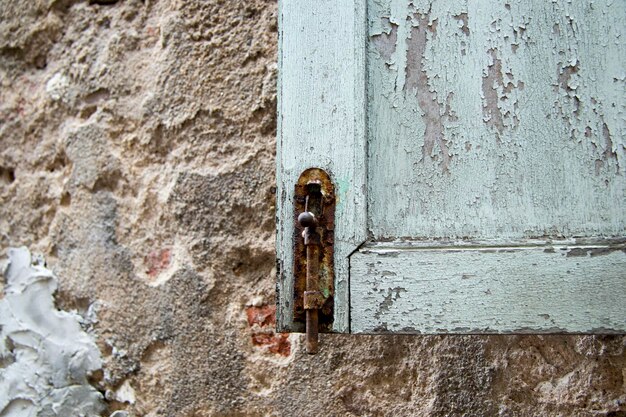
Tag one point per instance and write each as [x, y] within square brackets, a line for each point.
[312, 294]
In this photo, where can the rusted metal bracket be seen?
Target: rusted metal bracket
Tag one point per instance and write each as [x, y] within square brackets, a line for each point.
[314, 209]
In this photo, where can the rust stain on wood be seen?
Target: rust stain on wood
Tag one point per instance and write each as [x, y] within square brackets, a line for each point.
[326, 262]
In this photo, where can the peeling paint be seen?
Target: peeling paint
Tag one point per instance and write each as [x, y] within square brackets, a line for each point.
[386, 41]
[392, 295]
[526, 289]
[490, 117]
[46, 357]
[463, 20]
[492, 80]
[417, 80]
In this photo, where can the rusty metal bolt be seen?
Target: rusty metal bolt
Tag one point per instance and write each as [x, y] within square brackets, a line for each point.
[313, 300]
[307, 219]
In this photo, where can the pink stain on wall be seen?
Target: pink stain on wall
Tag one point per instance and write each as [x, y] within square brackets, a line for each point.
[262, 321]
[157, 261]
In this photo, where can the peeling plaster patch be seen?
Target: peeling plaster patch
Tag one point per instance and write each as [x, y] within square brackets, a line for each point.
[277, 343]
[46, 356]
[385, 42]
[157, 261]
[124, 394]
[154, 378]
[57, 87]
[417, 80]
[161, 264]
[558, 388]
[264, 315]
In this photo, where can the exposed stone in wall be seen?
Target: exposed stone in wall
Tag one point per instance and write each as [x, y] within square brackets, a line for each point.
[138, 156]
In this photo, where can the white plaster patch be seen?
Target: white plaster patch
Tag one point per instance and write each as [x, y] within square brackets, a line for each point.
[548, 390]
[57, 87]
[45, 356]
[124, 394]
[256, 301]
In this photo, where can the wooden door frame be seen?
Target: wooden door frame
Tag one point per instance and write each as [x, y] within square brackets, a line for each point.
[321, 123]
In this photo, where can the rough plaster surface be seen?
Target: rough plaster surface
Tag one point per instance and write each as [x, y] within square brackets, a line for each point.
[137, 154]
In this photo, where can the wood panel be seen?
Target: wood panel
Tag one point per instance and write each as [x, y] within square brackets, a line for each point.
[321, 124]
[496, 119]
[499, 122]
[553, 288]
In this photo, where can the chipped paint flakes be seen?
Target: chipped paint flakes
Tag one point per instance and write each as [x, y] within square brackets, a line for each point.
[386, 41]
[417, 81]
[391, 296]
[489, 114]
[497, 88]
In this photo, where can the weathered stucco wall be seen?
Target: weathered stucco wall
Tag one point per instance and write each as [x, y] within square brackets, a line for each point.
[137, 155]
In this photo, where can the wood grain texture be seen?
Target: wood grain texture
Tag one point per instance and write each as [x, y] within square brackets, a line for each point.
[321, 124]
[550, 288]
[496, 119]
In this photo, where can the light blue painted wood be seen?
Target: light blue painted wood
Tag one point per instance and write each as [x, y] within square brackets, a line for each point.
[499, 119]
[490, 125]
[321, 124]
[556, 288]
[494, 121]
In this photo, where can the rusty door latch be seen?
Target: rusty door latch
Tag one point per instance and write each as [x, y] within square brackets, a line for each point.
[314, 275]
[313, 299]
